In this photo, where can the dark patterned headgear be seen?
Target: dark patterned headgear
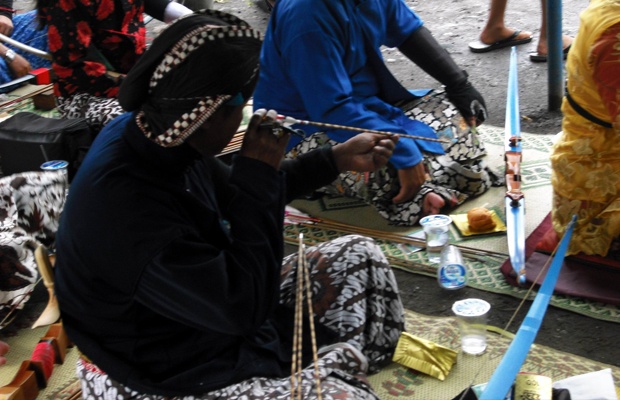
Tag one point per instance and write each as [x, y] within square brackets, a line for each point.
[197, 64]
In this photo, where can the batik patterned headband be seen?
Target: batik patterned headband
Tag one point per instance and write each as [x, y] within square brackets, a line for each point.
[186, 124]
[206, 106]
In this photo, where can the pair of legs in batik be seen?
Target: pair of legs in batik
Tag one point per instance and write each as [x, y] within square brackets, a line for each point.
[457, 175]
[355, 298]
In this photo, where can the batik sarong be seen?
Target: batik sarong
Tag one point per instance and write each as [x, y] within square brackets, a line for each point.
[355, 297]
[456, 176]
[30, 207]
[98, 111]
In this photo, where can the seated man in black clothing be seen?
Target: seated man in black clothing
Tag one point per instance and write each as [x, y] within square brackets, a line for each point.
[169, 268]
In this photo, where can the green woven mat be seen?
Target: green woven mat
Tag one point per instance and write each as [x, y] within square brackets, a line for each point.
[399, 382]
[484, 274]
[392, 382]
[484, 271]
[8, 110]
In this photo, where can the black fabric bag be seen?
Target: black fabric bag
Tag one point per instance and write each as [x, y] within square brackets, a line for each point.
[27, 140]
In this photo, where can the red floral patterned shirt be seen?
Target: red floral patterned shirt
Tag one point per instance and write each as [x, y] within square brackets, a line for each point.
[88, 38]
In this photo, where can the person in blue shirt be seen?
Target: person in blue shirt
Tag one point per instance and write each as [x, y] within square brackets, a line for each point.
[14, 62]
[321, 61]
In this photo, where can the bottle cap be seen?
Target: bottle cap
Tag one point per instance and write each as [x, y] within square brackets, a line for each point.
[471, 307]
[436, 220]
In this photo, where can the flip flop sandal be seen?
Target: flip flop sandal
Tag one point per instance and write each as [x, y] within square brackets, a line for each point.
[479, 47]
[535, 57]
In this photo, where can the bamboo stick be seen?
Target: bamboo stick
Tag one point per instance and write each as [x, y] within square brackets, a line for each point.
[27, 96]
[388, 236]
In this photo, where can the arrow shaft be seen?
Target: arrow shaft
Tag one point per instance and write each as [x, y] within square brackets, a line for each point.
[290, 120]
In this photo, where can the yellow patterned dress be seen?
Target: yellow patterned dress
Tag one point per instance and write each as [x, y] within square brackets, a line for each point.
[586, 158]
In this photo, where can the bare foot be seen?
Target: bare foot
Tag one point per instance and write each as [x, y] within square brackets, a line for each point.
[542, 49]
[492, 35]
[432, 204]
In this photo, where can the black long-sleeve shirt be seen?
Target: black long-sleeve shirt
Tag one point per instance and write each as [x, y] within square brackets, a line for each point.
[168, 265]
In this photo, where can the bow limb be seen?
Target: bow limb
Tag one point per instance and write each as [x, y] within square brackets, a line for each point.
[25, 47]
[10, 85]
[508, 368]
[39, 76]
[515, 201]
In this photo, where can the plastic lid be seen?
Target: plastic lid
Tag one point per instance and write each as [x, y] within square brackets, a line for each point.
[471, 307]
[54, 165]
[436, 220]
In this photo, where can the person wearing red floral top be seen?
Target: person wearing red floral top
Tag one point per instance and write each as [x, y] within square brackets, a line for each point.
[93, 45]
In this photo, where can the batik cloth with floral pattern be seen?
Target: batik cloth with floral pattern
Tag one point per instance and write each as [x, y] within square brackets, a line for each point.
[457, 175]
[30, 207]
[586, 159]
[354, 295]
[88, 39]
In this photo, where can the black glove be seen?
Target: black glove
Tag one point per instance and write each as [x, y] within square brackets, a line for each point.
[468, 101]
[424, 50]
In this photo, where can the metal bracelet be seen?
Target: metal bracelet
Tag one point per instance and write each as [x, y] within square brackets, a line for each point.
[278, 130]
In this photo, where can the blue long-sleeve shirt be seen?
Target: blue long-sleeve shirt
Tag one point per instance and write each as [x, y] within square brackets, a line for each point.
[321, 61]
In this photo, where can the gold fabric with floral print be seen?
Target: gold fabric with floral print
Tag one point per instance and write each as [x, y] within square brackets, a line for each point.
[586, 159]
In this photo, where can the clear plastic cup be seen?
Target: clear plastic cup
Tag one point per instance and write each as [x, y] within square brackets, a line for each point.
[472, 318]
[436, 229]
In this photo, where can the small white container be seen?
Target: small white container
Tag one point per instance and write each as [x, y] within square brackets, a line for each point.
[436, 229]
[472, 317]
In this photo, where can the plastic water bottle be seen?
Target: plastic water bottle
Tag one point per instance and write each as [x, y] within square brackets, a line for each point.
[452, 272]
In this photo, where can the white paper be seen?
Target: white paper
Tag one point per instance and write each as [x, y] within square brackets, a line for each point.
[591, 386]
